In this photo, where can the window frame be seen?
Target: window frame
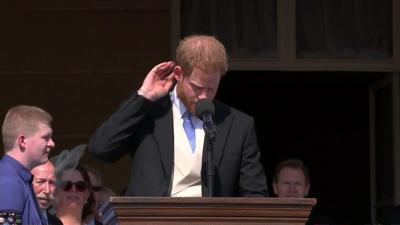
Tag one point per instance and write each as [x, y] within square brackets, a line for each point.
[286, 46]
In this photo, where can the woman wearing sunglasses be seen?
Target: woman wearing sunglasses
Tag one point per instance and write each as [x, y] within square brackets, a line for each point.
[74, 196]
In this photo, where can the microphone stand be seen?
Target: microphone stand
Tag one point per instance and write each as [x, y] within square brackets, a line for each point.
[209, 141]
[204, 109]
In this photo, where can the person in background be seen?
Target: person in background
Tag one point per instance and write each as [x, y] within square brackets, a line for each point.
[158, 127]
[292, 180]
[27, 140]
[74, 198]
[104, 211]
[44, 186]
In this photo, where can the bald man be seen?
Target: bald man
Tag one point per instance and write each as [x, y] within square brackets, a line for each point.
[44, 185]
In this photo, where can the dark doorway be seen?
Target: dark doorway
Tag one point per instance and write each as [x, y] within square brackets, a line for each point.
[320, 117]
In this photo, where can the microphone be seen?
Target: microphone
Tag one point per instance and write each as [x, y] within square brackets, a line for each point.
[204, 109]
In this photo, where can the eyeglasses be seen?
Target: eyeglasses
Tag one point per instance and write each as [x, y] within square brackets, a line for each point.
[80, 186]
[97, 188]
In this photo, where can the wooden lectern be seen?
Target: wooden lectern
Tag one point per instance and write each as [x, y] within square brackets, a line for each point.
[212, 211]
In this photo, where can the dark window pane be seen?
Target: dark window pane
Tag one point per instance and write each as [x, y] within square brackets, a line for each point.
[247, 28]
[344, 29]
[384, 144]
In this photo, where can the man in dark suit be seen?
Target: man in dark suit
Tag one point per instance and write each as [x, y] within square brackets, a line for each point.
[292, 180]
[157, 126]
[44, 186]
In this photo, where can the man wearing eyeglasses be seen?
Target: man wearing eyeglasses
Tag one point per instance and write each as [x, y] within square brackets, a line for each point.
[27, 140]
[44, 186]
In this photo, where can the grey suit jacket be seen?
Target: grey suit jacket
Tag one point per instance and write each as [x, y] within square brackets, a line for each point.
[144, 130]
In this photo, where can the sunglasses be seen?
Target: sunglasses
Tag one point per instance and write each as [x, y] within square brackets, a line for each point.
[80, 186]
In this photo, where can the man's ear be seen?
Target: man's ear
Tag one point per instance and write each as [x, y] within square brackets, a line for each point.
[275, 188]
[21, 142]
[308, 186]
[178, 73]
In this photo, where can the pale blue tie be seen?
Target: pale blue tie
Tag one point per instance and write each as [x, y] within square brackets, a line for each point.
[189, 130]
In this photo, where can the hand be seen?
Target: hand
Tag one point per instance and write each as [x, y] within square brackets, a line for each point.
[158, 81]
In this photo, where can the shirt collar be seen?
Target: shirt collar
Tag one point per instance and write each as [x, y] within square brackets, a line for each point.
[22, 171]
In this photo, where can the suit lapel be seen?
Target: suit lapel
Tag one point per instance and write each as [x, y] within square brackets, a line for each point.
[222, 135]
[163, 133]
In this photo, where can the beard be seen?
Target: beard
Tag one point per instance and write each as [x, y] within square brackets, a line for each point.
[187, 102]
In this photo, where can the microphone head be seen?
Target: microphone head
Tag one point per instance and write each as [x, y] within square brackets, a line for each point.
[204, 106]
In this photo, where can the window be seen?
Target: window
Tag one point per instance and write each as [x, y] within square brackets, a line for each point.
[247, 28]
[352, 35]
[349, 29]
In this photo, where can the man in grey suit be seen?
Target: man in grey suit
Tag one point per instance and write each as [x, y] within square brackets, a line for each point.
[149, 126]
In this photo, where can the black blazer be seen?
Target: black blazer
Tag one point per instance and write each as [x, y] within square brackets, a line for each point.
[53, 220]
[316, 219]
[144, 129]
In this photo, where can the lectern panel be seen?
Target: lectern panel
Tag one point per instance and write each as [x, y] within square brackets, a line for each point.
[212, 211]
